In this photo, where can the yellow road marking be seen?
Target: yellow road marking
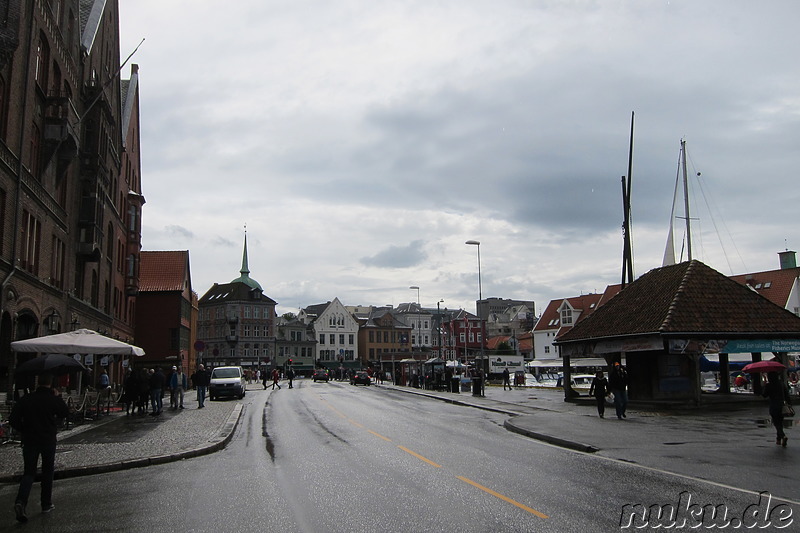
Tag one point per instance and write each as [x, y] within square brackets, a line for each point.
[387, 439]
[504, 498]
[418, 456]
[425, 459]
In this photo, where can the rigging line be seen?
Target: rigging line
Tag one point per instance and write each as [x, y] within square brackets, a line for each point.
[714, 223]
[712, 209]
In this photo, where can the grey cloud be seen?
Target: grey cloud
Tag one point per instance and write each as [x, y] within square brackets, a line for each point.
[179, 231]
[398, 256]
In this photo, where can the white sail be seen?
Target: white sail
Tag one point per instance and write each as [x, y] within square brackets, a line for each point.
[669, 249]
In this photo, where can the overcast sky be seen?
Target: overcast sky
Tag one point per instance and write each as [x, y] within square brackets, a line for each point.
[363, 142]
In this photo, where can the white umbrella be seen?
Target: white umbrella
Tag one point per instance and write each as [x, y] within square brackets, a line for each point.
[83, 341]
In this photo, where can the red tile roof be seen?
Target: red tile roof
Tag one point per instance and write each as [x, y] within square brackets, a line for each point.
[164, 271]
[774, 285]
[585, 304]
[687, 298]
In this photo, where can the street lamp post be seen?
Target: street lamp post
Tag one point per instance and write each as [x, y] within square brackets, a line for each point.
[419, 331]
[439, 327]
[419, 325]
[480, 290]
[480, 297]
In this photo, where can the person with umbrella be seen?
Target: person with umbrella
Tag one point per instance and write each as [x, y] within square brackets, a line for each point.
[36, 417]
[778, 393]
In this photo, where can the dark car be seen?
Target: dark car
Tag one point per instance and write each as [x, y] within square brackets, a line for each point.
[360, 377]
[321, 375]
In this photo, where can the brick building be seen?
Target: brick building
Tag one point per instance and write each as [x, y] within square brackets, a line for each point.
[166, 307]
[70, 178]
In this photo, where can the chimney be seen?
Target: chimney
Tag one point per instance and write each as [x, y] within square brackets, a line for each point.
[788, 259]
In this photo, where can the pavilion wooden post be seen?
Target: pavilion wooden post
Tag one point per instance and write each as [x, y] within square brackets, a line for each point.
[724, 374]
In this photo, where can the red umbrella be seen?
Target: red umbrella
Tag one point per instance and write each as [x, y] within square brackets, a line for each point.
[764, 366]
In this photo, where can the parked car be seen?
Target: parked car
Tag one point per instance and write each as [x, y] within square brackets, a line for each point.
[227, 381]
[321, 375]
[360, 377]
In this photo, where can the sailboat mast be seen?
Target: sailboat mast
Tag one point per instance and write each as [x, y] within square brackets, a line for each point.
[627, 251]
[686, 201]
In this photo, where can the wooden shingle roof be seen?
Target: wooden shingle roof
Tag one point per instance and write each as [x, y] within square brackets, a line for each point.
[687, 298]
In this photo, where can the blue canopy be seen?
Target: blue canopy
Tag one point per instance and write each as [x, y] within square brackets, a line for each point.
[714, 366]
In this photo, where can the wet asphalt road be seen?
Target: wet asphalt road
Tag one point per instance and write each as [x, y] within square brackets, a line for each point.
[334, 457]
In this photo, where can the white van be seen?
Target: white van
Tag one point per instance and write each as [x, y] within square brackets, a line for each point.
[227, 381]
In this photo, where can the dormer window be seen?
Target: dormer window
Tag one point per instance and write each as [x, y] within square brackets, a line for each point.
[566, 316]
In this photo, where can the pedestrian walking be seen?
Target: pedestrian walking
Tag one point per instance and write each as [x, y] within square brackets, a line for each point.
[275, 377]
[200, 379]
[599, 389]
[130, 391]
[618, 381]
[506, 379]
[265, 378]
[157, 382]
[290, 377]
[177, 385]
[144, 391]
[36, 416]
[778, 393]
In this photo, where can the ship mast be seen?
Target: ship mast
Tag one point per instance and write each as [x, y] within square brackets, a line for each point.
[686, 201]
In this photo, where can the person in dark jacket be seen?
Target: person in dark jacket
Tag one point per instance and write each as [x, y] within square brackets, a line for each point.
[618, 381]
[778, 393]
[599, 389]
[157, 382]
[36, 417]
[201, 379]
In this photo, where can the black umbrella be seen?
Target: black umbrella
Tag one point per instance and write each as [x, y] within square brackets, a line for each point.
[52, 363]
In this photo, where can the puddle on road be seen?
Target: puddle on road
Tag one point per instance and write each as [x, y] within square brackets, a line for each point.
[269, 444]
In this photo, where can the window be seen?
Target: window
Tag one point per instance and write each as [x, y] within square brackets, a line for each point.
[371, 336]
[35, 151]
[2, 201]
[413, 339]
[566, 316]
[257, 313]
[462, 337]
[341, 338]
[332, 339]
[247, 311]
[2, 107]
[322, 339]
[256, 331]
[57, 264]
[471, 337]
[246, 329]
[42, 61]
[546, 349]
[351, 339]
[31, 237]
